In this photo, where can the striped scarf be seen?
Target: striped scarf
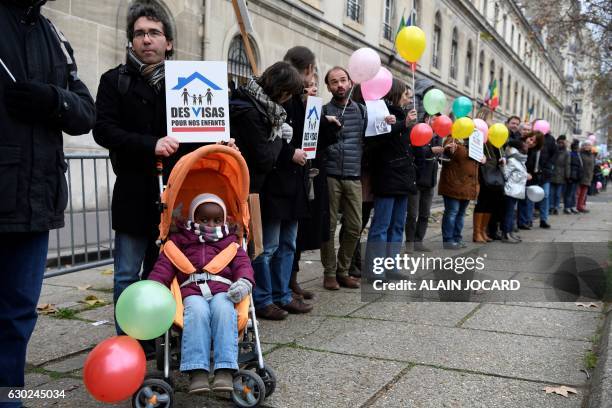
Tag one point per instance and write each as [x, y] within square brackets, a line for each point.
[152, 73]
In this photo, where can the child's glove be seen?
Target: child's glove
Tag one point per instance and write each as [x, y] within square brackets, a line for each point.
[239, 289]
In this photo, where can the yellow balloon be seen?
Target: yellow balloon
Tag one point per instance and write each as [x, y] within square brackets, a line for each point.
[410, 43]
[498, 134]
[463, 128]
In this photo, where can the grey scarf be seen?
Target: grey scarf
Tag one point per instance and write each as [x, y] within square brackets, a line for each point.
[274, 111]
[152, 73]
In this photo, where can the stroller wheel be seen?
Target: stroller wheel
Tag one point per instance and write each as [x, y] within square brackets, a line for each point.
[153, 393]
[267, 375]
[249, 389]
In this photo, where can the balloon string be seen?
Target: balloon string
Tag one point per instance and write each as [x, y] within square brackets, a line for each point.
[413, 64]
[347, 100]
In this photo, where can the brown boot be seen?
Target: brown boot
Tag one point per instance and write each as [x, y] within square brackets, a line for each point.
[297, 306]
[223, 381]
[198, 382]
[485, 226]
[297, 289]
[348, 282]
[477, 227]
[271, 312]
[330, 283]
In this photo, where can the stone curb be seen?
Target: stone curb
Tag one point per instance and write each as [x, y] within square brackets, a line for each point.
[601, 384]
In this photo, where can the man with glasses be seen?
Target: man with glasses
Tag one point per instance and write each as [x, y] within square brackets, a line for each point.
[131, 123]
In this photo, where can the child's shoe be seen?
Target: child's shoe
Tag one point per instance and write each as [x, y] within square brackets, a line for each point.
[223, 381]
[198, 381]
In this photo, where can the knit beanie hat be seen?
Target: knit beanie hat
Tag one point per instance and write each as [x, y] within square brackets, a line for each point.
[207, 198]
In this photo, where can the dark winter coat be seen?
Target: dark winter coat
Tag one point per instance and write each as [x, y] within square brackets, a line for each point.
[547, 158]
[251, 128]
[344, 156]
[391, 162]
[426, 163]
[32, 166]
[588, 167]
[199, 254]
[459, 176]
[561, 171]
[533, 166]
[131, 118]
[576, 170]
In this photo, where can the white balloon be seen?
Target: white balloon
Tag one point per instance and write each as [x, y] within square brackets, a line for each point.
[535, 193]
[363, 65]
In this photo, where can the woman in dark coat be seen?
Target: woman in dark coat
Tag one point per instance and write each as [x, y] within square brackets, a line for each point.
[535, 141]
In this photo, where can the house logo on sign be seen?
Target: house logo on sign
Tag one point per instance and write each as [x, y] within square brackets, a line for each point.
[312, 118]
[192, 95]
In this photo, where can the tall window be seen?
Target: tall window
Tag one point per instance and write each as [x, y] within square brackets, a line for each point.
[508, 92]
[469, 56]
[437, 41]
[512, 36]
[485, 8]
[519, 45]
[500, 85]
[416, 9]
[491, 72]
[453, 60]
[354, 10]
[480, 72]
[388, 14]
[238, 67]
[515, 97]
[496, 16]
[504, 26]
[522, 109]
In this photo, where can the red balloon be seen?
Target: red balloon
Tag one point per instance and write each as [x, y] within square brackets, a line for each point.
[115, 369]
[442, 125]
[421, 134]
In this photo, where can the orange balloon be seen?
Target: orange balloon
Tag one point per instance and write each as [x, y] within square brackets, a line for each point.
[115, 369]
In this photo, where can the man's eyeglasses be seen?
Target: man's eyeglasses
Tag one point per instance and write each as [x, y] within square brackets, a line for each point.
[153, 34]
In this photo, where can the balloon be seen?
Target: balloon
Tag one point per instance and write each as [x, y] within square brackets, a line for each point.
[377, 87]
[421, 134]
[462, 106]
[463, 128]
[483, 127]
[410, 43]
[363, 65]
[592, 138]
[535, 193]
[114, 369]
[442, 125]
[541, 126]
[598, 185]
[498, 134]
[145, 310]
[434, 101]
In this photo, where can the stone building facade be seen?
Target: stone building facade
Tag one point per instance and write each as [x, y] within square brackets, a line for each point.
[469, 43]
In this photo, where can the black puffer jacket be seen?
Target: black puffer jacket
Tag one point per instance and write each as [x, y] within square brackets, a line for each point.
[547, 158]
[426, 163]
[33, 187]
[392, 165]
[344, 156]
[251, 128]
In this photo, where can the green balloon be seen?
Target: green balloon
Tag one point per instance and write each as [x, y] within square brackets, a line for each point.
[434, 101]
[145, 310]
[462, 106]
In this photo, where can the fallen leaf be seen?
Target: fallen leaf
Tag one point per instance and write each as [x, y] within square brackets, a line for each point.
[84, 287]
[107, 272]
[587, 305]
[46, 309]
[92, 300]
[561, 390]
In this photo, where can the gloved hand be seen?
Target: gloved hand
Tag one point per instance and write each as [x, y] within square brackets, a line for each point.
[239, 290]
[30, 101]
[287, 132]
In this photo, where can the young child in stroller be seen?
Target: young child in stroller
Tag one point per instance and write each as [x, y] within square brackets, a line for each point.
[209, 314]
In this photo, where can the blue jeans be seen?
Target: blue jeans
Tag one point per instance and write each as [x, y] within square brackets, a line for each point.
[273, 267]
[132, 253]
[508, 222]
[545, 203]
[525, 212]
[452, 220]
[556, 192]
[23, 257]
[209, 322]
[569, 201]
[389, 219]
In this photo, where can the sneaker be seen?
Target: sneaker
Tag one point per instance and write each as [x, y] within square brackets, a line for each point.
[198, 381]
[567, 211]
[419, 247]
[297, 306]
[544, 224]
[450, 245]
[461, 244]
[574, 211]
[271, 312]
[510, 238]
[223, 381]
[555, 211]
[524, 227]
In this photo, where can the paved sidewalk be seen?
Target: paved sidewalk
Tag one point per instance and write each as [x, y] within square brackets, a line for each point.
[348, 353]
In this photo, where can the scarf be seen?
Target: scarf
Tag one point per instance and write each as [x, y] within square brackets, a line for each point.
[152, 73]
[274, 111]
[210, 234]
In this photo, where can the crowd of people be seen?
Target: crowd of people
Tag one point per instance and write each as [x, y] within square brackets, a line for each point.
[352, 180]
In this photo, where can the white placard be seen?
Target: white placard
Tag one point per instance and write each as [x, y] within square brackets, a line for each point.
[377, 111]
[312, 120]
[197, 101]
[475, 150]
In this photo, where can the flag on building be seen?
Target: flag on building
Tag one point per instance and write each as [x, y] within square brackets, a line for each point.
[529, 113]
[492, 96]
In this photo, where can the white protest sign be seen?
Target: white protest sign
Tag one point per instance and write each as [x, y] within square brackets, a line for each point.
[197, 101]
[312, 120]
[377, 111]
[475, 149]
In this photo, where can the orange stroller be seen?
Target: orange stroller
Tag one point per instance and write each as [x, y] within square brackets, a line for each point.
[222, 171]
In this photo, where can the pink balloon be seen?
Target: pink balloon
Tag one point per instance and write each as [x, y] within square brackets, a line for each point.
[483, 127]
[377, 87]
[599, 186]
[541, 126]
[592, 138]
[363, 65]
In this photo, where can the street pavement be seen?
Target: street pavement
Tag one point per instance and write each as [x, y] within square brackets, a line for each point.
[376, 353]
